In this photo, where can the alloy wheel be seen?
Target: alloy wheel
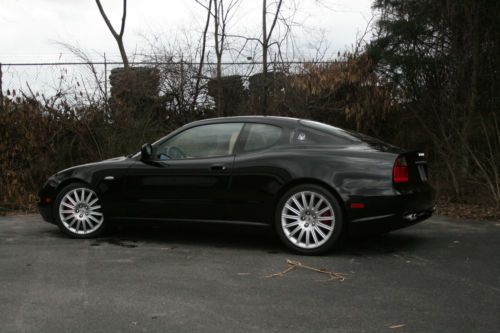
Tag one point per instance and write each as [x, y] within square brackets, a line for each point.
[308, 219]
[80, 211]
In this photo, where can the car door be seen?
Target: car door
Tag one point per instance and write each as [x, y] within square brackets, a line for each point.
[188, 176]
[259, 172]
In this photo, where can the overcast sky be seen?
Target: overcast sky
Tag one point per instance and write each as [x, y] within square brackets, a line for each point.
[30, 30]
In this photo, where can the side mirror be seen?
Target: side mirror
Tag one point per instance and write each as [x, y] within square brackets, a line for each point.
[146, 152]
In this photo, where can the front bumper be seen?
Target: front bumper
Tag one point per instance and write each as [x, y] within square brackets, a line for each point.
[47, 213]
[46, 198]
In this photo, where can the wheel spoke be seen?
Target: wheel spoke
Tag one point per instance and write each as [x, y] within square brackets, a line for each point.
[94, 218]
[324, 226]
[69, 217]
[307, 238]
[88, 197]
[318, 204]
[292, 224]
[93, 202]
[68, 205]
[95, 207]
[72, 222]
[311, 201]
[290, 208]
[320, 232]
[295, 231]
[325, 218]
[304, 201]
[297, 204]
[68, 197]
[300, 235]
[313, 233]
[324, 210]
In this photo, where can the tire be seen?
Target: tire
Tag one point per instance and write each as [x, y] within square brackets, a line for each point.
[309, 220]
[78, 211]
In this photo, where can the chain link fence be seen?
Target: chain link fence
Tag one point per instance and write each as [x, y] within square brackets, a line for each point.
[86, 79]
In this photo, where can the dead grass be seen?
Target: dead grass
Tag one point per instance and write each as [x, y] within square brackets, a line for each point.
[469, 211]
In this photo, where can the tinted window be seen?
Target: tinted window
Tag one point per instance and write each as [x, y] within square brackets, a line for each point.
[201, 142]
[261, 136]
[339, 132]
[318, 133]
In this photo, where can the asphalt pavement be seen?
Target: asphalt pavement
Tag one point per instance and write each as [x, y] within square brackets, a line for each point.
[441, 275]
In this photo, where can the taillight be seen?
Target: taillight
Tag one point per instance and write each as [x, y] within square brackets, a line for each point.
[400, 170]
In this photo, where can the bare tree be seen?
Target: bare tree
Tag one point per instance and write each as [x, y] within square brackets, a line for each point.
[202, 56]
[118, 36]
[266, 38]
[270, 11]
[222, 12]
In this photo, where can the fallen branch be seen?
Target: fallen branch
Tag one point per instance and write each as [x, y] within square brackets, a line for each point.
[296, 264]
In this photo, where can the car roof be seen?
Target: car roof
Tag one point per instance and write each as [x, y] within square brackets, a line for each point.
[249, 119]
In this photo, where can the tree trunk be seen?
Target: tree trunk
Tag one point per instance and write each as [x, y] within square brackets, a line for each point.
[123, 54]
[202, 58]
[265, 46]
[218, 53]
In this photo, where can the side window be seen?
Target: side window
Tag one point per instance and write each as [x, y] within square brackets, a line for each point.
[201, 142]
[313, 137]
[261, 136]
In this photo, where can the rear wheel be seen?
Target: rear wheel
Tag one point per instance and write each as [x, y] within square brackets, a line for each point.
[309, 219]
[79, 212]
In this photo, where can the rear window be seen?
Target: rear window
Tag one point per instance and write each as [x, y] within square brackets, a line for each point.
[343, 134]
[318, 133]
[338, 132]
[261, 136]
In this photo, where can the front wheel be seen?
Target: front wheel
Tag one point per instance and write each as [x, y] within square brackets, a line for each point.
[309, 219]
[79, 212]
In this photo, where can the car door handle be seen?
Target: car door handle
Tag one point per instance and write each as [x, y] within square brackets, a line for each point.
[109, 178]
[218, 167]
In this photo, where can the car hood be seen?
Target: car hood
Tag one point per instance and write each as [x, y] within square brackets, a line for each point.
[111, 161]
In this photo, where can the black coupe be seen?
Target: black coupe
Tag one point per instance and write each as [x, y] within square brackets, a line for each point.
[309, 180]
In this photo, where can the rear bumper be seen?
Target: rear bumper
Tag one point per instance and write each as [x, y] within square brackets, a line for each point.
[390, 222]
[400, 210]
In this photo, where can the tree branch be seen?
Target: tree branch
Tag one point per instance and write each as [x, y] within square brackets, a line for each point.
[118, 37]
[275, 19]
[124, 16]
[105, 17]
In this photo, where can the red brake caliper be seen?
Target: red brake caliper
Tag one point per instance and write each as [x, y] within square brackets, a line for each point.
[327, 222]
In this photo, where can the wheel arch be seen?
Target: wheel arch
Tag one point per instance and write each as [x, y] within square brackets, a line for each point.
[69, 181]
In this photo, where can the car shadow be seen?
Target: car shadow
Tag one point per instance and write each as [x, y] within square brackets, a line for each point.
[178, 234]
[244, 237]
